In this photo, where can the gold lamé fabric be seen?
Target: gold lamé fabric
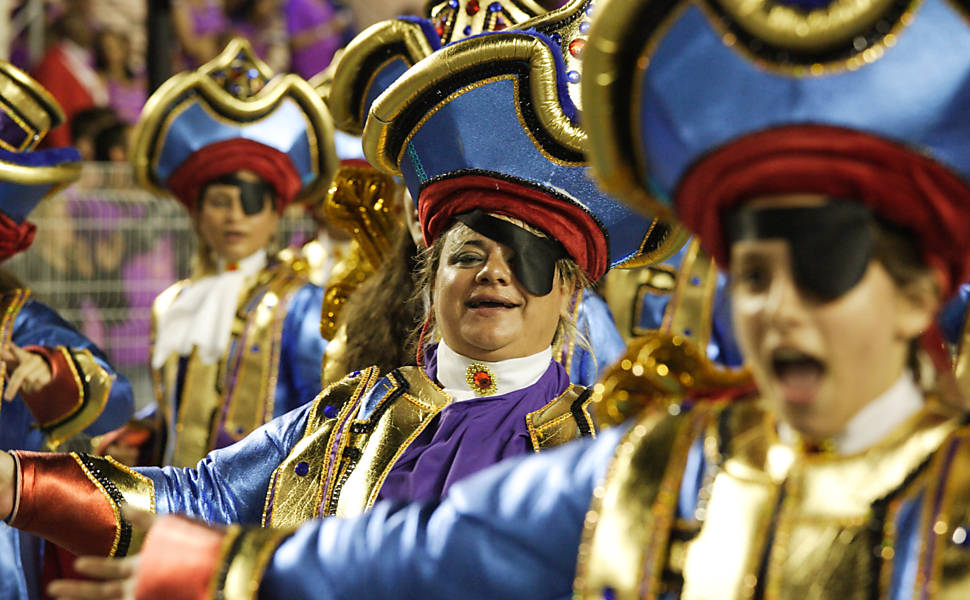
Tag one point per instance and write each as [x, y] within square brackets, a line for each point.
[774, 521]
[344, 457]
[235, 395]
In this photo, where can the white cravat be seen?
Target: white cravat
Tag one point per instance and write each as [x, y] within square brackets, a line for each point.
[508, 375]
[201, 316]
[875, 420]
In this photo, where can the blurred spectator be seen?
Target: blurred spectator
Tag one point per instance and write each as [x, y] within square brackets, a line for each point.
[87, 125]
[261, 22]
[111, 143]
[67, 69]
[126, 91]
[199, 25]
[316, 30]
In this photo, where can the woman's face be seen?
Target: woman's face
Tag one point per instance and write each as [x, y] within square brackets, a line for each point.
[228, 231]
[482, 310]
[817, 363]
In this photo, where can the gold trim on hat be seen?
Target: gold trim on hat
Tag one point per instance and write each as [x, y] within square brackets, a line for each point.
[202, 86]
[466, 56]
[345, 99]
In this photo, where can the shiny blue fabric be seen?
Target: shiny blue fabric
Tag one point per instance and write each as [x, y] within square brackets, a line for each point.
[509, 532]
[284, 129]
[595, 322]
[230, 484]
[479, 132]
[37, 324]
[18, 199]
[302, 351]
[731, 96]
[722, 347]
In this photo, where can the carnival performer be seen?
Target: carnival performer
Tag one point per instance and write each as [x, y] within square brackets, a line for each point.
[594, 343]
[508, 248]
[57, 383]
[238, 343]
[830, 178]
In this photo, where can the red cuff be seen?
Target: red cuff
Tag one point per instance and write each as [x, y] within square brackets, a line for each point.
[184, 555]
[60, 503]
[60, 398]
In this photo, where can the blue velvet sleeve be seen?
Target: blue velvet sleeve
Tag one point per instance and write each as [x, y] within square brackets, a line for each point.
[595, 322]
[301, 356]
[229, 485]
[38, 325]
[510, 532]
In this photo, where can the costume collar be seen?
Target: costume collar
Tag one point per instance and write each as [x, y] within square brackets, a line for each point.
[250, 265]
[875, 420]
[460, 375]
[200, 318]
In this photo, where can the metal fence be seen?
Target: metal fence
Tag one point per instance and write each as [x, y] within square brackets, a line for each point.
[104, 249]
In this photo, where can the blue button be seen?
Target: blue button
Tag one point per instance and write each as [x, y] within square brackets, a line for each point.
[302, 469]
[330, 411]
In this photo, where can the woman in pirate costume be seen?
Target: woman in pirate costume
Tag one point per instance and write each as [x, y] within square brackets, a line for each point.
[57, 384]
[828, 172]
[238, 343]
[512, 235]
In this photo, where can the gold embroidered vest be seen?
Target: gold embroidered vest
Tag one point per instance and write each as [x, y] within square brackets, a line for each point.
[236, 394]
[341, 463]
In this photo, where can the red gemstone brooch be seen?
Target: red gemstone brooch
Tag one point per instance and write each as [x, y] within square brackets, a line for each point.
[480, 379]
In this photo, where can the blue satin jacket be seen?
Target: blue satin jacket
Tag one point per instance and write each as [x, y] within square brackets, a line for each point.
[513, 531]
[37, 324]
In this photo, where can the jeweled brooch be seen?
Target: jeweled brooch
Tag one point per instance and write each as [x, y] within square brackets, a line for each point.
[480, 379]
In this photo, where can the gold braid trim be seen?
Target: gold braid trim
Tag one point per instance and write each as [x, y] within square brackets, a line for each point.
[244, 556]
[120, 486]
[94, 384]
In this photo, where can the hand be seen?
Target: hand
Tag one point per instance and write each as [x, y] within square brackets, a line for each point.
[27, 371]
[124, 453]
[117, 576]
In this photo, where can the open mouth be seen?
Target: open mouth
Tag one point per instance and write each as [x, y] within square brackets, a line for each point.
[490, 303]
[799, 374]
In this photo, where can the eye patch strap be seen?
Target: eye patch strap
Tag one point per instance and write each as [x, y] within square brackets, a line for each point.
[831, 245]
[534, 258]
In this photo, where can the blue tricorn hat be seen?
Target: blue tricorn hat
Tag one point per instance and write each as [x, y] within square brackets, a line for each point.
[380, 54]
[233, 113]
[684, 99]
[497, 110]
[27, 113]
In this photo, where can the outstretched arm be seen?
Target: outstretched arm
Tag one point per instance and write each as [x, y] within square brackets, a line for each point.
[512, 531]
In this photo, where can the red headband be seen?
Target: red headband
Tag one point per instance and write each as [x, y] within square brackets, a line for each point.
[14, 237]
[899, 184]
[229, 156]
[565, 221]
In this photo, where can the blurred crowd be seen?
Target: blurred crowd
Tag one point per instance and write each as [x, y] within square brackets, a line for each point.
[93, 53]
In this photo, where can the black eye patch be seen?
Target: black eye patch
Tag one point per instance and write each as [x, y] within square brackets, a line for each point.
[252, 194]
[534, 258]
[830, 245]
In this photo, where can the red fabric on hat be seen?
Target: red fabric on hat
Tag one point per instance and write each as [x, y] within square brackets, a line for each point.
[898, 183]
[14, 237]
[565, 221]
[229, 156]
